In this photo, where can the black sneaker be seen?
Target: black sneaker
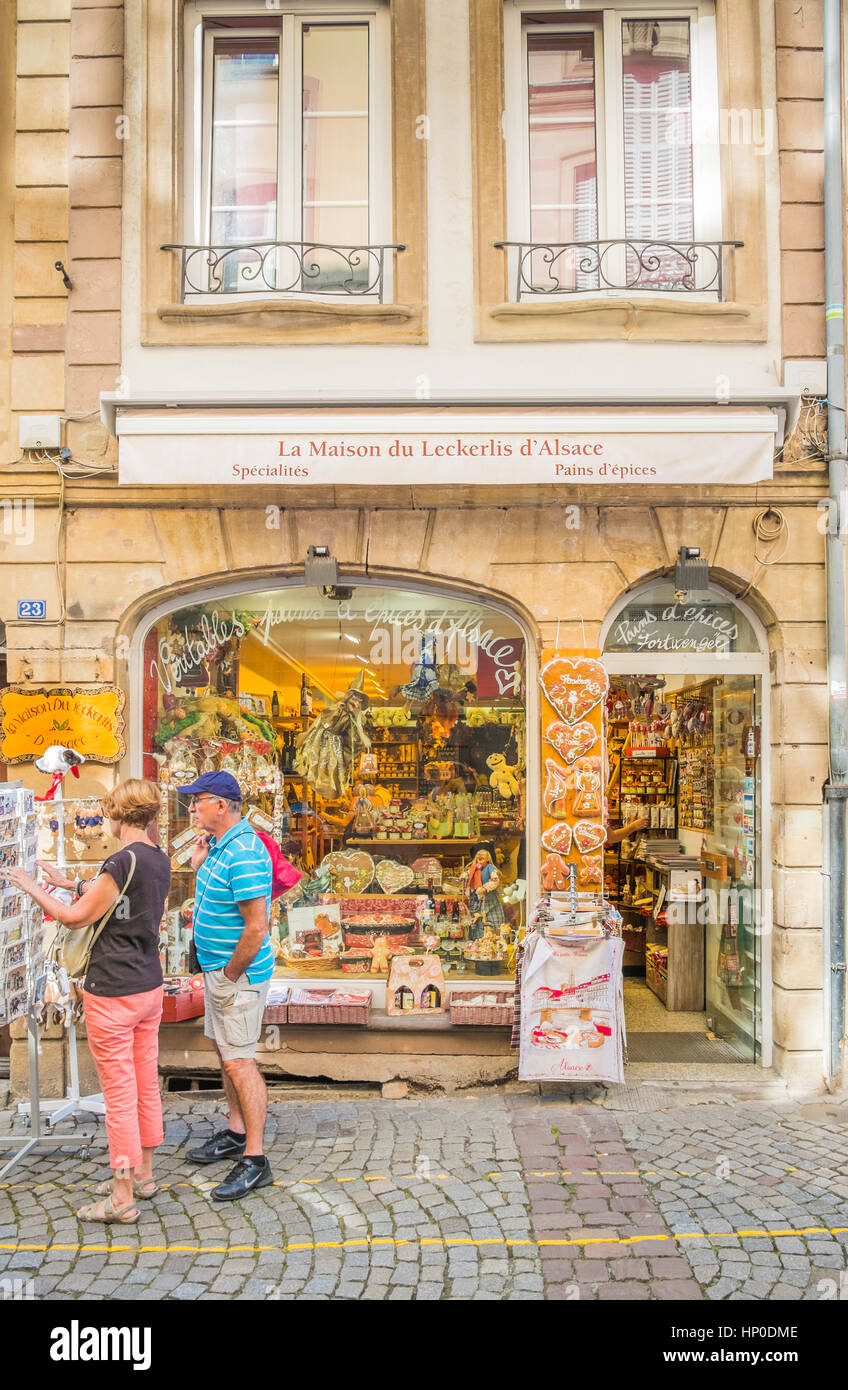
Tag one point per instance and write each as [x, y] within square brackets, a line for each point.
[248, 1174]
[216, 1149]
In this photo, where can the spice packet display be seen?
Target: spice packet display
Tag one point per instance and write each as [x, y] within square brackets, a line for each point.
[185, 837]
[260, 820]
[184, 855]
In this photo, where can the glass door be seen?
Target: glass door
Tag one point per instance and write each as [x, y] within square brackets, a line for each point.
[734, 855]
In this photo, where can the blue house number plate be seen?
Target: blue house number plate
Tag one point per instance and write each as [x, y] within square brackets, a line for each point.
[31, 607]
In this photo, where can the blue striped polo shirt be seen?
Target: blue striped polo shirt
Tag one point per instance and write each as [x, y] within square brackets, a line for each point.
[236, 868]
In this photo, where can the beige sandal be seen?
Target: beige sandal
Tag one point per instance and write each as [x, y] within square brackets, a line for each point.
[109, 1214]
[146, 1188]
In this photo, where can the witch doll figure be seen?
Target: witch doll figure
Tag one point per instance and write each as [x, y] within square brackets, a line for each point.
[484, 899]
[328, 752]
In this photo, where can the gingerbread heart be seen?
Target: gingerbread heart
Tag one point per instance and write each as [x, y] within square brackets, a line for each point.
[393, 877]
[589, 835]
[571, 743]
[574, 685]
[350, 870]
[556, 790]
[558, 838]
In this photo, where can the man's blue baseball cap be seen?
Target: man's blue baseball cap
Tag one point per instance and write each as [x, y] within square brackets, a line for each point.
[214, 784]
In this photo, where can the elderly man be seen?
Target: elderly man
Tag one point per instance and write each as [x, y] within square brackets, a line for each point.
[231, 905]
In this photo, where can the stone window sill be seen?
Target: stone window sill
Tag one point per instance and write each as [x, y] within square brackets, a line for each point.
[653, 318]
[287, 313]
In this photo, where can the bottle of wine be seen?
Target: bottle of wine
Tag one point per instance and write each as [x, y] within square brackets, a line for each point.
[305, 698]
[275, 706]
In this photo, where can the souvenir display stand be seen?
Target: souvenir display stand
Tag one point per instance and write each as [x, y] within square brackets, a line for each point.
[572, 1001]
[22, 936]
[90, 843]
[571, 998]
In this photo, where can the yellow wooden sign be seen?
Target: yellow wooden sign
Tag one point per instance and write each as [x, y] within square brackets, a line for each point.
[88, 721]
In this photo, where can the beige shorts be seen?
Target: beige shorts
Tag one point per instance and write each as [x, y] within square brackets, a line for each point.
[233, 1017]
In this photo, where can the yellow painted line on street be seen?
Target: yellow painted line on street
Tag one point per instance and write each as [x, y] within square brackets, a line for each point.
[358, 1242]
[403, 1177]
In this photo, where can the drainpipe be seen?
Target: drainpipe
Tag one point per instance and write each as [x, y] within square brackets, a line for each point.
[836, 787]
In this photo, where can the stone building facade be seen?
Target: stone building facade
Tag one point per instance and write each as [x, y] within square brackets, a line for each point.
[92, 178]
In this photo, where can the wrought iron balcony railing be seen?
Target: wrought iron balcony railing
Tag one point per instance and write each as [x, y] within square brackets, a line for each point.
[626, 264]
[284, 268]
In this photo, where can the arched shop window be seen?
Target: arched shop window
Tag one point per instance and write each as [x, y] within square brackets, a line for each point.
[687, 783]
[380, 738]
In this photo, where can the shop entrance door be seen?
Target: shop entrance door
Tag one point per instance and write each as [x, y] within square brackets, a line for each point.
[688, 853]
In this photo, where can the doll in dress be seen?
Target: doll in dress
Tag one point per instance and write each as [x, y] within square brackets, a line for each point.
[482, 891]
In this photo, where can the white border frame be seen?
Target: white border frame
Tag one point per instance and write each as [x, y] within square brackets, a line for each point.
[731, 664]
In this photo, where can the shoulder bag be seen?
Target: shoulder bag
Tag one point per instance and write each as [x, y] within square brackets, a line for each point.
[74, 946]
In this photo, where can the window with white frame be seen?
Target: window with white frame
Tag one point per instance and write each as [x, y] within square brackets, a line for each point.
[288, 148]
[612, 149]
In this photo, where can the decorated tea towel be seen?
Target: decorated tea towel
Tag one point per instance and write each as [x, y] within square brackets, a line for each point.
[570, 1016]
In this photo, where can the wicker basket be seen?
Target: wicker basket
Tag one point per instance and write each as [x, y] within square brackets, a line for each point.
[277, 1008]
[311, 965]
[306, 1009]
[499, 1015]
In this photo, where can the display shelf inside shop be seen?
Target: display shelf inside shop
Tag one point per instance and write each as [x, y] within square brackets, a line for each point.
[677, 929]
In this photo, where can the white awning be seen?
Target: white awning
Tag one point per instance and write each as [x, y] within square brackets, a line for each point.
[723, 447]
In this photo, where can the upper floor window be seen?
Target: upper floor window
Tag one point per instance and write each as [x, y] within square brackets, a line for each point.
[612, 150]
[288, 147]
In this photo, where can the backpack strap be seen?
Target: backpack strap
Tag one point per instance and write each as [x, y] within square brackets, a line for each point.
[103, 921]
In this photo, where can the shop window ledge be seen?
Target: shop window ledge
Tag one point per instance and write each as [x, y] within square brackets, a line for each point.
[381, 1022]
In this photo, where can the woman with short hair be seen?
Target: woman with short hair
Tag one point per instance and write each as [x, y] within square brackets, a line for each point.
[122, 992]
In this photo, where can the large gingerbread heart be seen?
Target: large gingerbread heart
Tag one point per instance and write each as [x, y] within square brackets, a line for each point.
[574, 685]
[350, 870]
[557, 838]
[556, 790]
[589, 835]
[393, 877]
[571, 743]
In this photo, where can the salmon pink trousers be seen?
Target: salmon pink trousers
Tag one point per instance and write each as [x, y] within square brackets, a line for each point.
[123, 1038]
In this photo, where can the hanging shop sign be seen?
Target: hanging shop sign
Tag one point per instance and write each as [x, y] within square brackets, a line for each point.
[675, 627]
[88, 721]
[574, 688]
[497, 450]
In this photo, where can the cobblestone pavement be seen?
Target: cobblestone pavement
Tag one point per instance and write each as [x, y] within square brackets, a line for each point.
[500, 1195]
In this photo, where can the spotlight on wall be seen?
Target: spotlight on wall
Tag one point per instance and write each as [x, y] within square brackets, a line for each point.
[690, 571]
[321, 568]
